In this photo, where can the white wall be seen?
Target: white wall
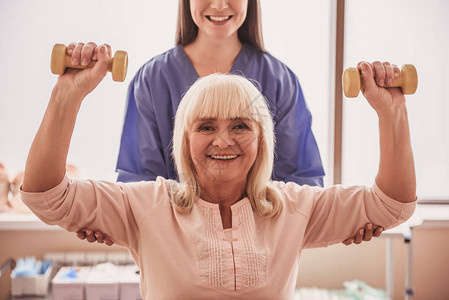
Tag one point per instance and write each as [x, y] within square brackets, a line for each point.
[28, 31]
[300, 34]
[297, 32]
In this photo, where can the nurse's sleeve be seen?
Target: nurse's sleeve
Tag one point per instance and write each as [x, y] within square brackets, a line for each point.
[140, 155]
[337, 212]
[297, 155]
[79, 204]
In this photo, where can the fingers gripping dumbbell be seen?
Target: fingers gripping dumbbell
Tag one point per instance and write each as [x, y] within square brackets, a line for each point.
[407, 81]
[118, 65]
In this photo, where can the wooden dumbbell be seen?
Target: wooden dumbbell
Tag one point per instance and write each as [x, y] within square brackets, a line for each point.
[407, 81]
[118, 65]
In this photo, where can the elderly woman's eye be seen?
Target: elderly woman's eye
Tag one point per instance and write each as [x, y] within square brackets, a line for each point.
[206, 128]
[241, 126]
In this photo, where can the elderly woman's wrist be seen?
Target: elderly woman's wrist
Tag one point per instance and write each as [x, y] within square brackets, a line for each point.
[393, 114]
[66, 98]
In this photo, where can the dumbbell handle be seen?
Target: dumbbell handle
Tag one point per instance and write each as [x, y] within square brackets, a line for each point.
[68, 64]
[407, 81]
[118, 65]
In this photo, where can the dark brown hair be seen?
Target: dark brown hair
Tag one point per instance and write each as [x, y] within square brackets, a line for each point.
[250, 32]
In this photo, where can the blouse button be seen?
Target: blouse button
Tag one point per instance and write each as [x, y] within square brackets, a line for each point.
[224, 239]
[235, 239]
[234, 228]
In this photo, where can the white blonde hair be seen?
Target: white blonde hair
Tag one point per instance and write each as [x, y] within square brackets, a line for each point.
[225, 96]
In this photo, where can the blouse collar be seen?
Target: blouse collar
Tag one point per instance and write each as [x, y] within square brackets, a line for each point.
[215, 206]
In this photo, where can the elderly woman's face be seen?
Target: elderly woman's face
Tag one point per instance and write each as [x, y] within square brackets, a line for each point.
[223, 150]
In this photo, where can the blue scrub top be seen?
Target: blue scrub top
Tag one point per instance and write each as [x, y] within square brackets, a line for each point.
[158, 87]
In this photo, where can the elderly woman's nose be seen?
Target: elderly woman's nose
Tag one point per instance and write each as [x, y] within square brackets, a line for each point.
[223, 139]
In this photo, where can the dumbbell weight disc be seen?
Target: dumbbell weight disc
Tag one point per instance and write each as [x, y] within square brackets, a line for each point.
[410, 79]
[352, 84]
[57, 63]
[119, 65]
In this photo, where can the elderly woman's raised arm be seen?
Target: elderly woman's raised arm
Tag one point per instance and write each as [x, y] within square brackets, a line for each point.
[45, 166]
[77, 204]
[338, 211]
[396, 174]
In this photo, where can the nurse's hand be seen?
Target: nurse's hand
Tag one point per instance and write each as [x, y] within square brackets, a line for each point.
[364, 234]
[93, 236]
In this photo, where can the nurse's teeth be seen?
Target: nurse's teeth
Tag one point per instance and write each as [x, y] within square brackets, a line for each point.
[219, 19]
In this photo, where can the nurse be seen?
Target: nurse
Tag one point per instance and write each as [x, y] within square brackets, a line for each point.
[213, 36]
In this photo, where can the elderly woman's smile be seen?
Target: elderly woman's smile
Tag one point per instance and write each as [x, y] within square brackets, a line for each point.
[223, 158]
[223, 149]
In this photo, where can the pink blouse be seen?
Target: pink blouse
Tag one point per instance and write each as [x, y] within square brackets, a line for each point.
[188, 256]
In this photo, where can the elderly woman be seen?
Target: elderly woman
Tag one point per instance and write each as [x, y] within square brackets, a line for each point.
[225, 230]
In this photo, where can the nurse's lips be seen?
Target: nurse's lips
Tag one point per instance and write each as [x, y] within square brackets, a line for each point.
[219, 19]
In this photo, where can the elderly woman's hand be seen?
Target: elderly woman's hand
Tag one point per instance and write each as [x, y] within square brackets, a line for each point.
[375, 78]
[82, 82]
[364, 234]
[93, 236]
